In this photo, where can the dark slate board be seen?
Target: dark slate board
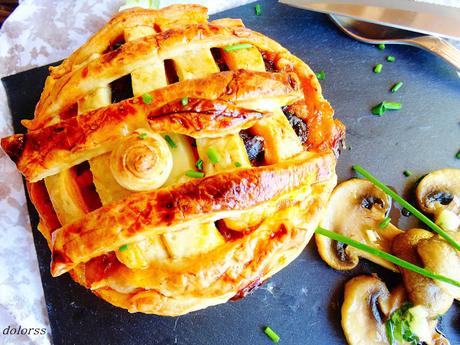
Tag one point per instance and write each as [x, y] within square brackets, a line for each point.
[302, 303]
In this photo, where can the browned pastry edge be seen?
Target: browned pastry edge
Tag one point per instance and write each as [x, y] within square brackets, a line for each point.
[170, 209]
[251, 260]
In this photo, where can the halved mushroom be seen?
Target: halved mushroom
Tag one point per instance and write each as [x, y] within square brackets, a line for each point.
[356, 209]
[367, 307]
[367, 304]
[440, 257]
[438, 193]
[421, 290]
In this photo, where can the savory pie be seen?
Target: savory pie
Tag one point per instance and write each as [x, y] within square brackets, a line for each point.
[177, 163]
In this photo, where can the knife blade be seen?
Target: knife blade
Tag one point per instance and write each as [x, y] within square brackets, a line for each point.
[411, 15]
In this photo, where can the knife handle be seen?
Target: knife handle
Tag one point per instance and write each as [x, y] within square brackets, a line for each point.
[439, 47]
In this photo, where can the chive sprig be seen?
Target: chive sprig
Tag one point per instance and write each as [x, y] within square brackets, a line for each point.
[384, 255]
[406, 205]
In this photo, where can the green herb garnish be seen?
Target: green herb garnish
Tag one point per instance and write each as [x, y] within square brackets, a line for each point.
[378, 68]
[385, 222]
[142, 136]
[184, 101]
[398, 326]
[194, 174]
[272, 334]
[407, 173]
[379, 109]
[213, 155]
[199, 164]
[258, 10]
[391, 58]
[147, 98]
[392, 105]
[458, 155]
[237, 47]
[321, 75]
[170, 142]
[381, 46]
[238, 164]
[406, 205]
[123, 248]
[384, 255]
[396, 86]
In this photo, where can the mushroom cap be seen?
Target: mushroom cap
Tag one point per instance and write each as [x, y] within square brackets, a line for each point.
[421, 290]
[439, 190]
[440, 257]
[355, 209]
[362, 319]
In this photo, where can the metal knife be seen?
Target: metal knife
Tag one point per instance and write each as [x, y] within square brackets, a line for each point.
[427, 18]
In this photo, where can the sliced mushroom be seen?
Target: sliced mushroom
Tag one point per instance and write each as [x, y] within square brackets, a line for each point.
[363, 321]
[366, 307]
[438, 193]
[356, 209]
[440, 257]
[421, 290]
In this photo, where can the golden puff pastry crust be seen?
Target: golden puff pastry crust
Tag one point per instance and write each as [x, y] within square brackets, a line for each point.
[172, 173]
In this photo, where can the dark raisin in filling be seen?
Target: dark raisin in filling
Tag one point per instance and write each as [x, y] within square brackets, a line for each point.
[216, 54]
[299, 125]
[269, 63]
[254, 145]
[121, 89]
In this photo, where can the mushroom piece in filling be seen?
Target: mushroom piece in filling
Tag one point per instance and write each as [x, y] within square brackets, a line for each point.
[420, 289]
[356, 209]
[438, 193]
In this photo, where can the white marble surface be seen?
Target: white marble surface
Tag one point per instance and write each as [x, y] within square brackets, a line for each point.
[37, 33]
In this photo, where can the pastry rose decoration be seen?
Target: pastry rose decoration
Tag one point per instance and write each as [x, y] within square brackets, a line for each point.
[141, 161]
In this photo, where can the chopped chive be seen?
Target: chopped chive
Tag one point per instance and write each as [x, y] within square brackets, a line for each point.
[237, 47]
[194, 174]
[379, 109]
[378, 68]
[171, 142]
[147, 98]
[123, 248]
[238, 164]
[392, 105]
[407, 173]
[272, 334]
[213, 155]
[184, 101]
[406, 205]
[391, 58]
[458, 155]
[258, 10]
[381, 46]
[396, 86]
[321, 75]
[385, 223]
[199, 164]
[142, 136]
[384, 255]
